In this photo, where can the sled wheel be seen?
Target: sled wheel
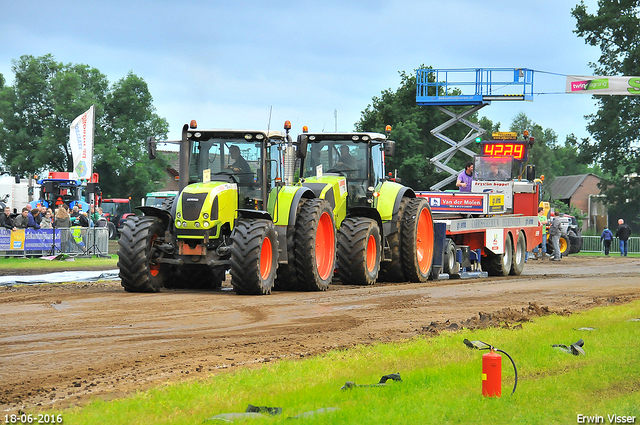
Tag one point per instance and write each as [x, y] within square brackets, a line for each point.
[518, 256]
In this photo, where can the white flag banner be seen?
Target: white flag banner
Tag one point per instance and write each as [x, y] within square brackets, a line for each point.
[81, 142]
[603, 85]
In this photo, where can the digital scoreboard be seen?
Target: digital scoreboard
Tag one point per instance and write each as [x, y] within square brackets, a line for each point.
[515, 149]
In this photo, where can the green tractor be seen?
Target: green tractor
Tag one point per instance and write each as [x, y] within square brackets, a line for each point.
[236, 211]
[384, 232]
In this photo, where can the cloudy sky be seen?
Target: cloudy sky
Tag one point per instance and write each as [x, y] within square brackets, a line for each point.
[227, 64]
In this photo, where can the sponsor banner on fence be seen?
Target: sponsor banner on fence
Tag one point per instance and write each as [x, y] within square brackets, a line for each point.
[603, 85]
[28, 239]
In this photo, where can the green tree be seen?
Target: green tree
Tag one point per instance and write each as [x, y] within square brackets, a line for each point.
[37, 111]
[412, 125]
[615, 29]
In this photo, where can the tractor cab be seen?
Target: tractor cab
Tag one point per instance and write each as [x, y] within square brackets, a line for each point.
[233, 157]
[357, 156]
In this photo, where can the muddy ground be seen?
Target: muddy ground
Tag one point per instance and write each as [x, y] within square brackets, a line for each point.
[63, 345]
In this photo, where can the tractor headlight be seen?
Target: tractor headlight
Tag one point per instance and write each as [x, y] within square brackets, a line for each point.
[179, 215]
[205, 224]
[184, 224]
[197, 224]
[178, 223]
[205, 216]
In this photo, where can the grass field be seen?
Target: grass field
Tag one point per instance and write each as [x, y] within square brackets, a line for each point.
[34, 264]
[441, 381]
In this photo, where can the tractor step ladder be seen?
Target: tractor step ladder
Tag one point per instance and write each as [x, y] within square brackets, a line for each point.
[477, 88]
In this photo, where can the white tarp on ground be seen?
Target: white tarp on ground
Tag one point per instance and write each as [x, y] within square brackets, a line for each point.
[59, 277]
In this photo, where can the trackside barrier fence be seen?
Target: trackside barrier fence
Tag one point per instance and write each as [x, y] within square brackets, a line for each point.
[74, 241]
[593, 244]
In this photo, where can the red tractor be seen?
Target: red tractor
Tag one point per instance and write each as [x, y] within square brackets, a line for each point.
[116, 211]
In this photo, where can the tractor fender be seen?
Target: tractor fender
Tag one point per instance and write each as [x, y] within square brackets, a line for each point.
[283, 203]
[367, 212]
[388, 204]
[163, 215]
[246, 213]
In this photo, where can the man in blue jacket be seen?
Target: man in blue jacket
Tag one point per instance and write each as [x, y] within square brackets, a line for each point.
[606, 237]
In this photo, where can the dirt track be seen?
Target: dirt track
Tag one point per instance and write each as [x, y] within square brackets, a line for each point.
[65, 344]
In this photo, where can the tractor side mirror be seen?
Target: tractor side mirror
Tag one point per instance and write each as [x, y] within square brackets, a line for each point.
[389, 148]
[302, 146]
[151, 147]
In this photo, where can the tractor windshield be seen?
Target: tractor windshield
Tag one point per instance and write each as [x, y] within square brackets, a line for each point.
[237, 157]
[360, 162]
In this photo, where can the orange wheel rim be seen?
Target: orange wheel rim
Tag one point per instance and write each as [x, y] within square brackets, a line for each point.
[372, 251]
[563, 245]
[325, 246]
[424, 240]
[266, 257]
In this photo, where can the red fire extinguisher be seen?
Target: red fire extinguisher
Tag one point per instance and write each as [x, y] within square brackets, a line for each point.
[492, 368]
[492, 374]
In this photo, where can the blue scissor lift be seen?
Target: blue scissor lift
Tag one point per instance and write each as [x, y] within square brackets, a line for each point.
[475, 87]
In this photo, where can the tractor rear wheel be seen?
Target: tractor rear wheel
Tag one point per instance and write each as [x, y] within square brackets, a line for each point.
[315, 245]
[575, 241]
[500, 264]
[393, 271]
[359, 251]
[287, 277]
[520, 251]
[417, 240]
[136, 255]
[254, 256]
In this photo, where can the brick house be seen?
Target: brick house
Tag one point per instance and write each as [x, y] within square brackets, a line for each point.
[582, 191]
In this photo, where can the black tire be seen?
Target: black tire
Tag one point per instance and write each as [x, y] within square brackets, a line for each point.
[254, 256]
[287, 276]
[500, 264]
[167, 204]
[576, 243]
[417, 240]
[136, 254]
[359, 251]
[451, 265]
[393, 271]
[565, 245]
[113, 232]
[517, 264]
[315, 245]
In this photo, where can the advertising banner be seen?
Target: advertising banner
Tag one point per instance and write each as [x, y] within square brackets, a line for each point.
[453, 202]
[28, 239]
[81, 143]
[603, 85]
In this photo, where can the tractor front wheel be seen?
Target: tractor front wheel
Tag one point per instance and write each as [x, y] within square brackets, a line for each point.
[137, 254]
[254, 256]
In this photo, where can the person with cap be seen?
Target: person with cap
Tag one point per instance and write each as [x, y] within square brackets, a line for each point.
[623, 233]
[606, 237]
